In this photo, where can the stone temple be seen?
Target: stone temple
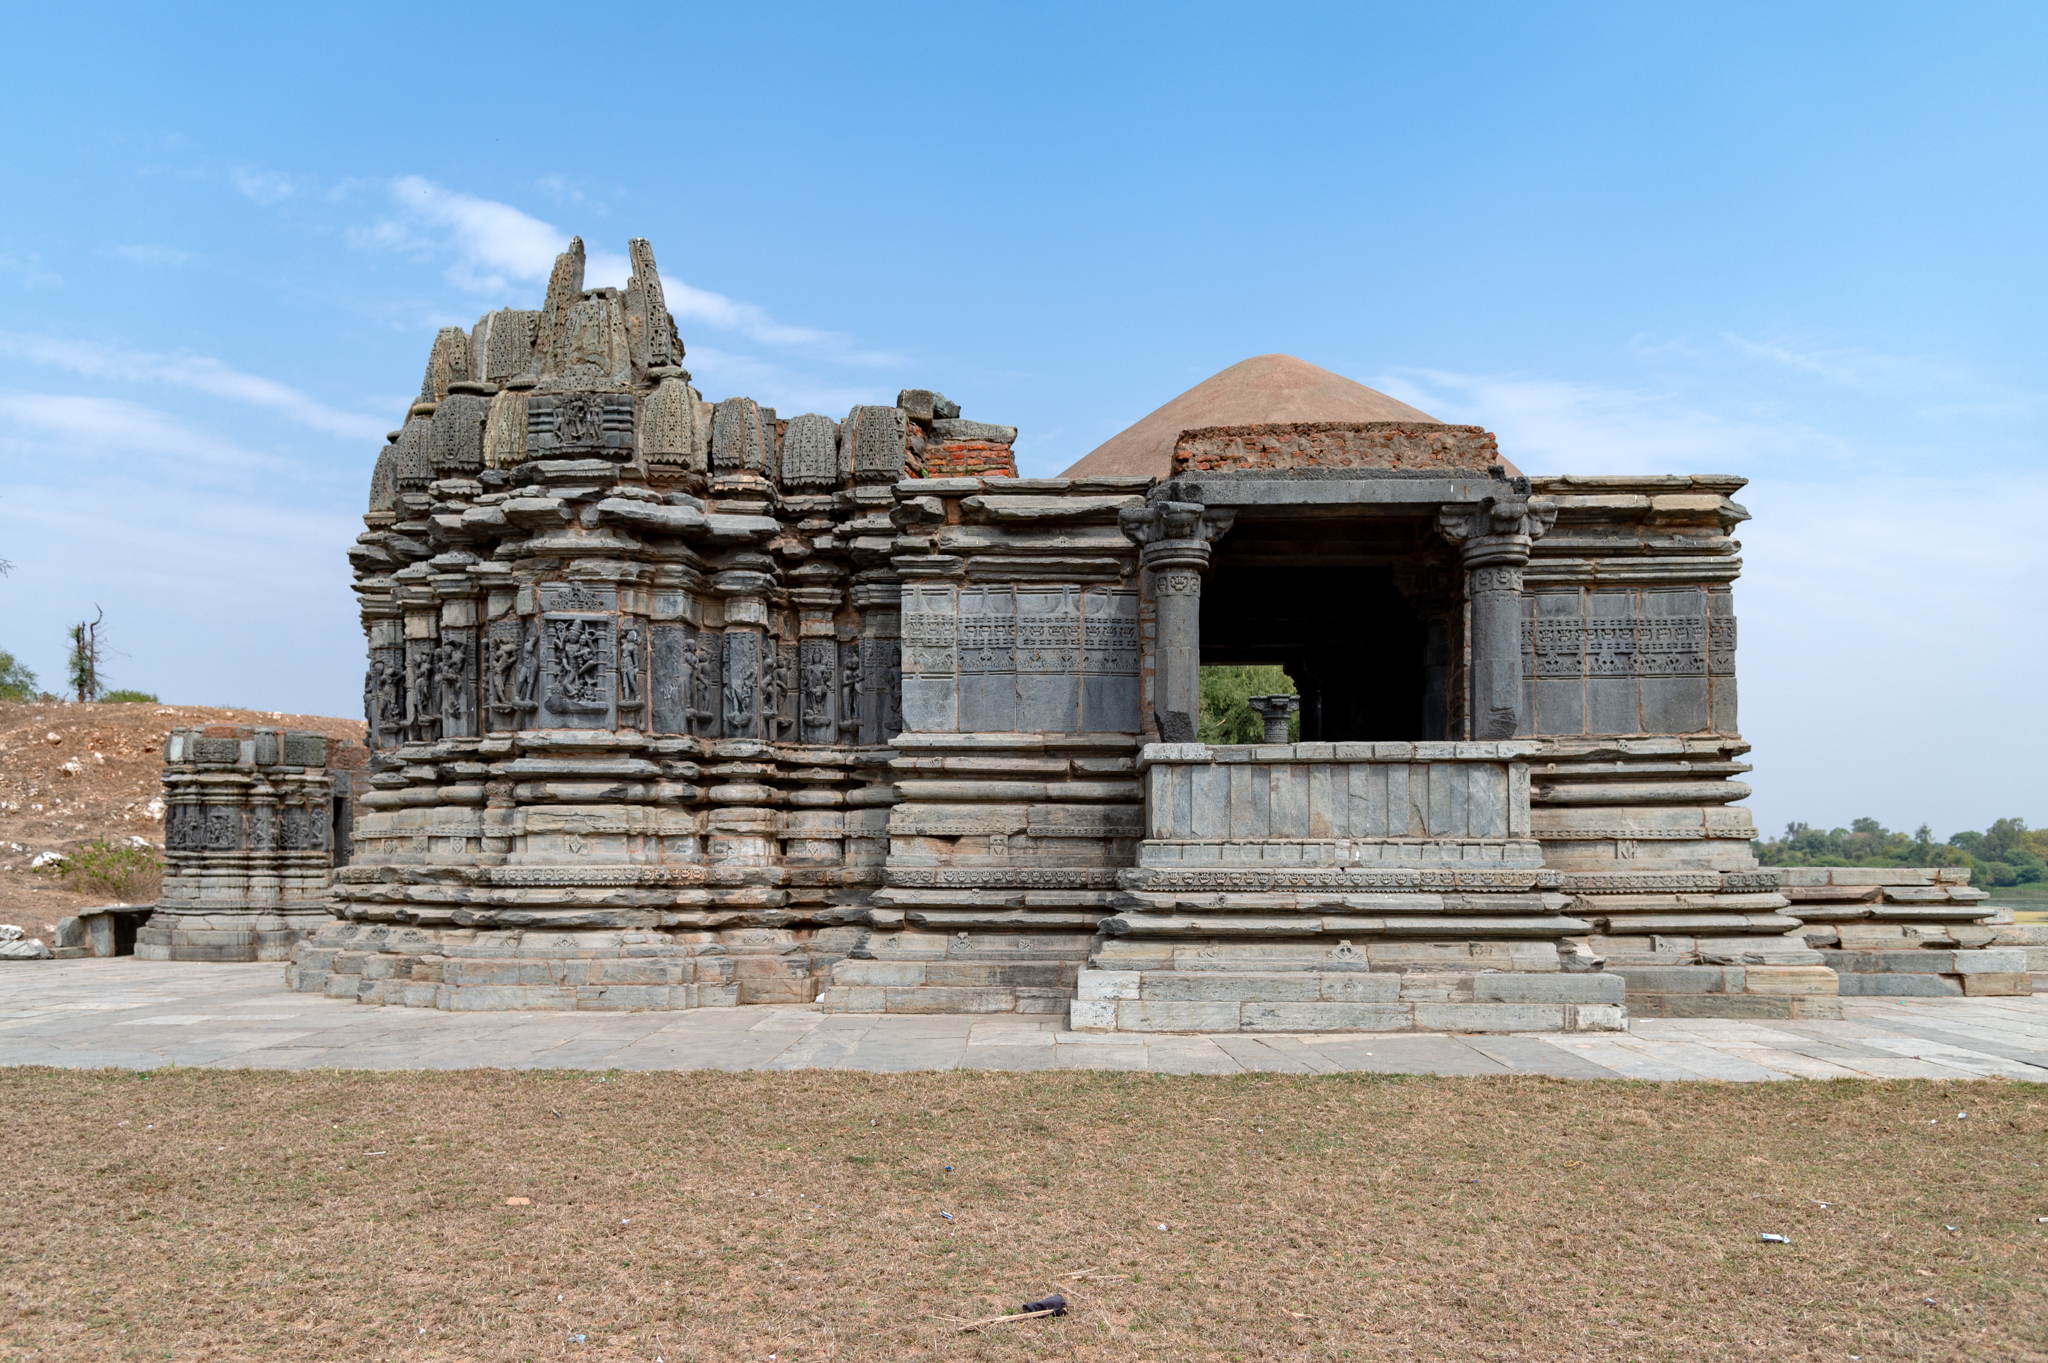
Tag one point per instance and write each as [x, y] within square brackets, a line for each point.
[679, 704]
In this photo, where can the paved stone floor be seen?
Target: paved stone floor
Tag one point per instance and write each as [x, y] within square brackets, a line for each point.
[141, 1014]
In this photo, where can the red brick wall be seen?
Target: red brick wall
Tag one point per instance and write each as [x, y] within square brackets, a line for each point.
[968, 459]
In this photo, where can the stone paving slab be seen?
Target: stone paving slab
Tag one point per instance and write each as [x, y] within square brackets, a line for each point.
[132, 1014]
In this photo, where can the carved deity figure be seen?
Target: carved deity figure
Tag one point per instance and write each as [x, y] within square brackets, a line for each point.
[775, 690]
[504, 666]
[817, 692]
[575, 662]
[452, 665]
[629, 664]
[700, 705]
[390, 704]
[892, 699]
[588, 346]
[420, 704]
[529, 672]
[685, 682]
[739, 711]
[849, 693]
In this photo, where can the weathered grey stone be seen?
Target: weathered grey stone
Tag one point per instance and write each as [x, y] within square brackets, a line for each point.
[878, 441]
[456, 444]
[671, 432]
[628, 701]
[502, 343]
[981, 432]
[810, 452]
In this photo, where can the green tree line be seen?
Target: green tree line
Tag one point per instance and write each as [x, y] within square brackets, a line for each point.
[2007, 853]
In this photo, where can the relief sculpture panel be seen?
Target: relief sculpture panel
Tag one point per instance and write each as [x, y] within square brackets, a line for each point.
[577, 671]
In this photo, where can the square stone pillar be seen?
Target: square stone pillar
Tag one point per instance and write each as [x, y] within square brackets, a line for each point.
[1494, 536]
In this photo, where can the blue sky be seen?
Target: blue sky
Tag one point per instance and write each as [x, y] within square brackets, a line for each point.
[1798, 243]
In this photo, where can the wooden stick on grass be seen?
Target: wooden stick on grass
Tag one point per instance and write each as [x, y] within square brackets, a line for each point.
[1004, 1320]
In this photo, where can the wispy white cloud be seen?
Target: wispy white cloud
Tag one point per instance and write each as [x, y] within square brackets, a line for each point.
[28, 267]
[53, 429]
[264, 186]
[198, 372]
[494, 243]
[496, 246]
[776, 385]
[726, 314]
[1570, 426]
[182, 571]
[1925, 387]
[151, 255]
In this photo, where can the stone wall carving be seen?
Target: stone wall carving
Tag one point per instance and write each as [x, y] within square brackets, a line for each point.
[580, 426]
[255, 820]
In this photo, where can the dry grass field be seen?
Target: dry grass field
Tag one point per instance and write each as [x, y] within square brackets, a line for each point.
[247, 1215]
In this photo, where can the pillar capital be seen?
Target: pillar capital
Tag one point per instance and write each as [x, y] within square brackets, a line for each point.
[1174, 521]
[1496, 530]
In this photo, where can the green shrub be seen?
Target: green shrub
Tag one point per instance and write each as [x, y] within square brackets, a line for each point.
[128, 698]
[1226, 715]
[16, 681]
[128, 873]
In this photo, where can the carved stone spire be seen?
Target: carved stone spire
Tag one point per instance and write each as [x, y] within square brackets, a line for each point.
[565, 290]
[649, 328]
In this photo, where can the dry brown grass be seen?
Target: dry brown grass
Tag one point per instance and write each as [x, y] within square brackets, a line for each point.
[215, 1215]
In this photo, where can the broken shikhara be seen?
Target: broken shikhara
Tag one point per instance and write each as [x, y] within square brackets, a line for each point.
[676, 704]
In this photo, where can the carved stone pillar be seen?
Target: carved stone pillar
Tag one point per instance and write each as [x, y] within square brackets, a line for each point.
[1173, 531]
[1494, 536]
[1275, 711]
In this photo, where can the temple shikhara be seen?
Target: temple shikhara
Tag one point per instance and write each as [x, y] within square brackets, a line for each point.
[675, 703]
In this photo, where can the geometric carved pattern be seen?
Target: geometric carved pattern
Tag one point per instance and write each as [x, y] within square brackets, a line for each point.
[1629, 646]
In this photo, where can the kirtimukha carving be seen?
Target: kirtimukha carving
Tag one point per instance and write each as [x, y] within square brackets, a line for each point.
[678, 703]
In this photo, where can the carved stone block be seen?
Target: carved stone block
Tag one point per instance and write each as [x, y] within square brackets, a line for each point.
[505, 431]
[810, 452]
[739, 443]
[880, 439]
[742, 677]
[449, 361]
[305, 750]
[668, 426]
[988, 659]
[579, 425]
[578, 671]
[503, 343]
[650, 331]
[412, 469]
[456, 446]
[510, 672]
[673, 685]
[1048, 642]
[818, 691]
